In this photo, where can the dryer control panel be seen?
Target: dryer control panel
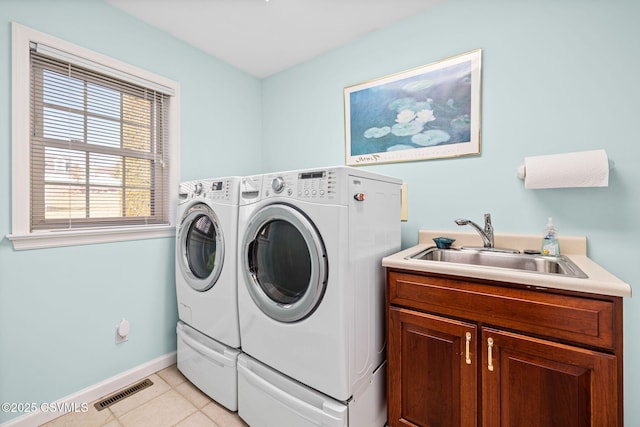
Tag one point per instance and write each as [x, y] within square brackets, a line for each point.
[317, 185]
[309, 185]
[279, 184]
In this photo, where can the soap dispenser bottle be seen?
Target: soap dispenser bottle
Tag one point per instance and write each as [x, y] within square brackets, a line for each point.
[550, 245]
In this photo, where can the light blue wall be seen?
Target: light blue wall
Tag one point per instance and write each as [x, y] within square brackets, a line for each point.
[558, 76]
[59, 307]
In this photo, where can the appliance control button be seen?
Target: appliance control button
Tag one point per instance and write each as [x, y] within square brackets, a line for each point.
[278, 184]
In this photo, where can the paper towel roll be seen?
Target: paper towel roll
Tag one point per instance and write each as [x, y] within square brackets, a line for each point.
[581, 169]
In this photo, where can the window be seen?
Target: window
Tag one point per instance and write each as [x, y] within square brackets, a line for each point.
[98, 149]
[98, 158]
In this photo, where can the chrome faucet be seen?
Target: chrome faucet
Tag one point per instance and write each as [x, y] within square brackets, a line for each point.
[486, 234]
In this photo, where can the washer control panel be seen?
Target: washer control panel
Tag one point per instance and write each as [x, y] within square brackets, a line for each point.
[219, 189]
[211, 189]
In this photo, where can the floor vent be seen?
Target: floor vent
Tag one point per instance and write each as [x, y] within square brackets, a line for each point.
[123, 394]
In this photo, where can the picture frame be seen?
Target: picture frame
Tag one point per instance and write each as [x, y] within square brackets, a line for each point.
[429, 112]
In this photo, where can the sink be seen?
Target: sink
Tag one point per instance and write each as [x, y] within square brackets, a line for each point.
[561, 265]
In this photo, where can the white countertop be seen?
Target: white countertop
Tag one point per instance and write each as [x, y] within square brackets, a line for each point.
[600, 281]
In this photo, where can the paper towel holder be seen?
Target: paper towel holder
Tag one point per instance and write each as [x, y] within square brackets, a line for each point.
[522, 172]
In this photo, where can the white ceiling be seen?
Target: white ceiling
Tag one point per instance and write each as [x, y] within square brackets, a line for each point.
[263, 37]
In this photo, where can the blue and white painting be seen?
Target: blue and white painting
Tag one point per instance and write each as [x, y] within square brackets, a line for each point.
[430, 112]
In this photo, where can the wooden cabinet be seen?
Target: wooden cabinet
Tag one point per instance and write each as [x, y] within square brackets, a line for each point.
[462, 352]
[428, 382]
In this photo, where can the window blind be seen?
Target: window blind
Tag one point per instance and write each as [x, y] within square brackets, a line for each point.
[99, 149]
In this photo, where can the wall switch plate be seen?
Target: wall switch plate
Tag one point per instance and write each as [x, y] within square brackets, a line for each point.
[404, 209]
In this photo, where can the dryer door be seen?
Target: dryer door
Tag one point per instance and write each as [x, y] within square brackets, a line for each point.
[284, 263]
[200, 246]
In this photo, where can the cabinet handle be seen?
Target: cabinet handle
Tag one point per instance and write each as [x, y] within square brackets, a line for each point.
[490, 353]
[468, 356]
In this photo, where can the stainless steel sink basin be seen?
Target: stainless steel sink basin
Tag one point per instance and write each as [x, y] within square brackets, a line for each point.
[560, 265]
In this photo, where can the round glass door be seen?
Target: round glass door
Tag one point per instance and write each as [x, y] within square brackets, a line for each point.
[285, 263]
[201, 247]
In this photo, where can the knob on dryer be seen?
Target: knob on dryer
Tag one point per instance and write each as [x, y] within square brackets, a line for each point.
[278, 184]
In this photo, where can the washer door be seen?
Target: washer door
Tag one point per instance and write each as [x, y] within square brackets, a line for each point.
[200, 247]
[284, 263]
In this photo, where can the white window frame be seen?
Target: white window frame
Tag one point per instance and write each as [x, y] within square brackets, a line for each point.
[21, 235]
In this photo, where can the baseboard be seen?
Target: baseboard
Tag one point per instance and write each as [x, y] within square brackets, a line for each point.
[95, 391]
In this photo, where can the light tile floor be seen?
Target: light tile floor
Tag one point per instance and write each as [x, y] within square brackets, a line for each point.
[172, 401]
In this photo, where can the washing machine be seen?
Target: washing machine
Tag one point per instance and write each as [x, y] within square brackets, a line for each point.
[311, 290]
[206, 286]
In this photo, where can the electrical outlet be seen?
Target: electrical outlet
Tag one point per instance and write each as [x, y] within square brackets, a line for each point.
[120, 338]
[122, 331]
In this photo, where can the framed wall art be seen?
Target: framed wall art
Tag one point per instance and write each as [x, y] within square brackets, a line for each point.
[428, 112]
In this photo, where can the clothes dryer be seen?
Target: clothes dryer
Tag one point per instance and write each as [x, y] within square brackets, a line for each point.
[206, 285]
[310, 281]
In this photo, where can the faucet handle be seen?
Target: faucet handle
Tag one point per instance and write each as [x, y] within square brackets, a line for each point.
[488, 228]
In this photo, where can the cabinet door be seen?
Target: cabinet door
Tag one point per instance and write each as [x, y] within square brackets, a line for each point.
[432, 370]
[528, 382]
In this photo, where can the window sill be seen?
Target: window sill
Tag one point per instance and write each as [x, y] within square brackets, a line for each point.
[54, 239]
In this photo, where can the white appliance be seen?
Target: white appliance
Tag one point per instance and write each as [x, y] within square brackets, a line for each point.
[209, 365]
[206, 286]
[270, 399]
[311, 287]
